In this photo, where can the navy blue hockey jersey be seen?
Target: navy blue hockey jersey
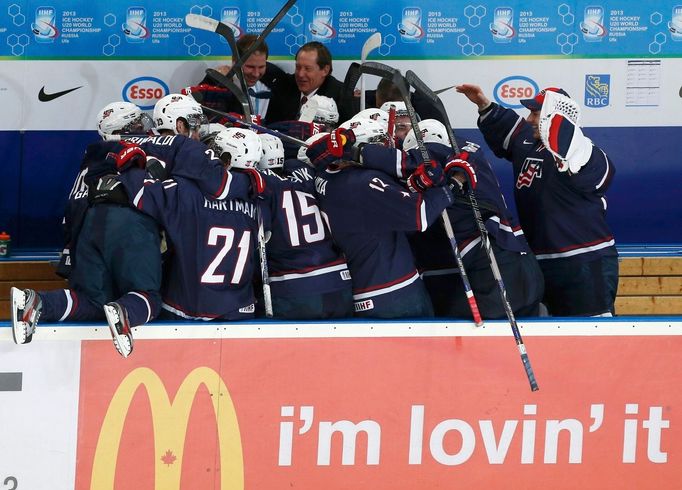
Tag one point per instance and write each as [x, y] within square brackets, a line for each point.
[209, 274]
[302, 258]
[431, 249]
[370, 214]
[562, 214]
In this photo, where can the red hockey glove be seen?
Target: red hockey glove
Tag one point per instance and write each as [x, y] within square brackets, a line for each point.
[459, 171]
[330, 147]
[126, 156]
[427, 175]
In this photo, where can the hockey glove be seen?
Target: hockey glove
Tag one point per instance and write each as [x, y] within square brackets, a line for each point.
[460, 172]
[127, 155]
[331, 147]
[156, 168]
[107, 189]
[427, 175]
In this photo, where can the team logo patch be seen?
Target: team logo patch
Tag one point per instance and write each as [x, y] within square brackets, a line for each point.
[248, 309]
[532, 168]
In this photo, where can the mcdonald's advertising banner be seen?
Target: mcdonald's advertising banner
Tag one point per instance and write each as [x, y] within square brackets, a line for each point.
[411, 412]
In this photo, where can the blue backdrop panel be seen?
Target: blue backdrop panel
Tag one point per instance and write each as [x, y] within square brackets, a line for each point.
[50, 164]
[10, 149]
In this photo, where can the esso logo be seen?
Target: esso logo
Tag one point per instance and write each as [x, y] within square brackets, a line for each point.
[509, 91]
[144, 92]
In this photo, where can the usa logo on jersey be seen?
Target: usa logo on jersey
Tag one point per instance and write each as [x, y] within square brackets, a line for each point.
[532, 168]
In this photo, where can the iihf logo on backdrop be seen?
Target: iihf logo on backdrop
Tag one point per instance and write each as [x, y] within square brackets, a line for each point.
[230, 16]
[597, 90]
[321, 26]
[45, 26]
[502, 27]
[410, 27]
[135, 26]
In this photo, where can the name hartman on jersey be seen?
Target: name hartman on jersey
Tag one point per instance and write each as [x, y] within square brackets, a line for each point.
[232, 206]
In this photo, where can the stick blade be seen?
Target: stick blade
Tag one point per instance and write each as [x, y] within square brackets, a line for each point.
[372, 43]
[201, 22]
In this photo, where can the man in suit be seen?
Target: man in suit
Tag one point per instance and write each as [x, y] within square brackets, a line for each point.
[312, 76]
[260, 77]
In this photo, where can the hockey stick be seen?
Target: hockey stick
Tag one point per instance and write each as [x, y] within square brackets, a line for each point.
[208, 24]
[262, 254]
[391, 126]
[372, 43]
[254, 126]
[420, 86]
[221, 79]
[444, 89]
[385, 71]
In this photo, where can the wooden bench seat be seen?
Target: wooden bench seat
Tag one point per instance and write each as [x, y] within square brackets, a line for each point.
[647, 285]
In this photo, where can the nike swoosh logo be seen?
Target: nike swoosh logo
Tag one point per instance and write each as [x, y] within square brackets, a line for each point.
[45, 97]
[526, 142]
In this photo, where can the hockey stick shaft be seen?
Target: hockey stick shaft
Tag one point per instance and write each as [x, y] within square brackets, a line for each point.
[373, 42]
[391, 126]
[419, 85]
[265, 275]
[257, 127]
[241, 96]
[394, 75]
[261, 37]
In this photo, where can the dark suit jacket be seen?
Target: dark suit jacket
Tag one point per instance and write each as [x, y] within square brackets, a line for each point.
[285, 102]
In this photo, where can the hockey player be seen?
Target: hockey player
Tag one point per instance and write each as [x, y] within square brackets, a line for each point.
[370, 214]
[435, 259]
[561, 180]
[112, 257]
[309, 276]
[209, 273]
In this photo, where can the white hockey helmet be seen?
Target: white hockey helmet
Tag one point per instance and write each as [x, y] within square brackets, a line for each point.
[273, 152]
[367, 131]
[208, 131]
[320, 109]
[374, 114]
[241, 146]
[400, 107]
[301, 155]
[433, 131]
[177, 106]
[122, 117]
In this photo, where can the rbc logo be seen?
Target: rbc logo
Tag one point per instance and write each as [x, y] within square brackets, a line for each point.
[597, 90]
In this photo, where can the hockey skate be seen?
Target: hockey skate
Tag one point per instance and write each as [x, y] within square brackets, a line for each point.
[117, 318]
[26, 308]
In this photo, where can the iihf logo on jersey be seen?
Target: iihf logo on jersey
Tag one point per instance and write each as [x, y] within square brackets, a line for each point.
[230, 16]
[592, 25]
[410, 27]
[597, 90]
[321, 26]
[502, 27]
[45, 28]
[532, 168]
[135, 26]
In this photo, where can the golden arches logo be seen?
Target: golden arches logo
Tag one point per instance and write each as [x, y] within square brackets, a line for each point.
[170, 421]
